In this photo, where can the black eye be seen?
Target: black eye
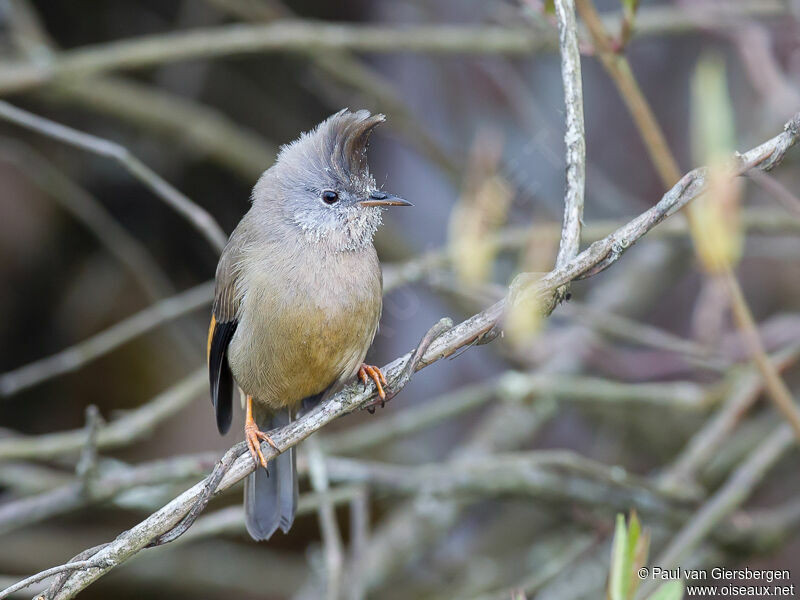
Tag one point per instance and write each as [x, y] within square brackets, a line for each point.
[330, 197]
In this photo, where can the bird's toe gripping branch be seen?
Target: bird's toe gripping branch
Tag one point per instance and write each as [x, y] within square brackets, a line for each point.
[370, 372]
[411, 366]
[254, 436]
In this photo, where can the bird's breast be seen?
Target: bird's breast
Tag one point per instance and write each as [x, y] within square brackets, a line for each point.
[304, 325]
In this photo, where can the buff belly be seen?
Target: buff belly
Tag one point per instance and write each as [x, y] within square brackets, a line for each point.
[287, 349]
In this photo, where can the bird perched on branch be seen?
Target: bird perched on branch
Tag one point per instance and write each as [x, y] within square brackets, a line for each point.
[298, 298]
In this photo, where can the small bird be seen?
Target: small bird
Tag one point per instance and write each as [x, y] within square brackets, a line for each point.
[298, 298]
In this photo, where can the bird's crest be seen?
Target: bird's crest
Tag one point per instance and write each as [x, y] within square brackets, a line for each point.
[337, 146]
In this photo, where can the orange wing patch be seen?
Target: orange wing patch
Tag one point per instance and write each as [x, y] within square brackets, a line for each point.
[211, 329]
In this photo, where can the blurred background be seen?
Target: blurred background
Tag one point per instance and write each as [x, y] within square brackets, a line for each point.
[498, 473]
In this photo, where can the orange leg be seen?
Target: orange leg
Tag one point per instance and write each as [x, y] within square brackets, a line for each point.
[254, 436]
[369, 372]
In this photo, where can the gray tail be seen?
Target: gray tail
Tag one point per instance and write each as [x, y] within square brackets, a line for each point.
[270, 501]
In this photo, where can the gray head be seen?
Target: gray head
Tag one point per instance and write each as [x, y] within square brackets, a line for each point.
[321, 183]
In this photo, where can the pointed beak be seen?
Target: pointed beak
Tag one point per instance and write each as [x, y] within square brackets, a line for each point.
[384, 199]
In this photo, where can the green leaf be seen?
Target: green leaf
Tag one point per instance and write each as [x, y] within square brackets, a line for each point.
[638, 546]
[672, 590]
[617, 578]
[550, 7]
[629, 8]
[713, 129]
[628, 554]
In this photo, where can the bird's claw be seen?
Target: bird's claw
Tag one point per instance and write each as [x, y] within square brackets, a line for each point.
[367, 372]
[254, 436]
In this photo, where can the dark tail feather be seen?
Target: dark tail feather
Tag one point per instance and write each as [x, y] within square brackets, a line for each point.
[270, 501]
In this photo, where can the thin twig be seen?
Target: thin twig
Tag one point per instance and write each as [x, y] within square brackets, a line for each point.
[514, 237]
[210, 486]
[619, 69]
[305, 37]
[62, 577]
[102, 487]
[413, 363]
[199, 129]
[329, 527]
[194, 213]
[776, 388]
[133, 426]
[732, 494]
[743, 392]
[73, 358]
[21, 585]
[574, 136]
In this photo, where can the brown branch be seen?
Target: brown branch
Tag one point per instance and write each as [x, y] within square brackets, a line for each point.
[778, 391]
[619, 69]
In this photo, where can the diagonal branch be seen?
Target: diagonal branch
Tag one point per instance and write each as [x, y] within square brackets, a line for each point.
[74, 357]
[194, 213]
[594, 259]
[134, 425]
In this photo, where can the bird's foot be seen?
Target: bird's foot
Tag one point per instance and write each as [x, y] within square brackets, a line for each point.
[254, 436]
[369, 372]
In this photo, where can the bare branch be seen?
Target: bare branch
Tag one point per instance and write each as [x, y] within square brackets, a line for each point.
[517, 386]
[195, 214]
[514, 237]
[732, 494]
[71, 566]
[329, 528]
[135, 425]
[73, 358]
[597, 257]
[744, 391]
[574, 137]
[312, 37]
[87, 209]
[621, 73]
[104, 486]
